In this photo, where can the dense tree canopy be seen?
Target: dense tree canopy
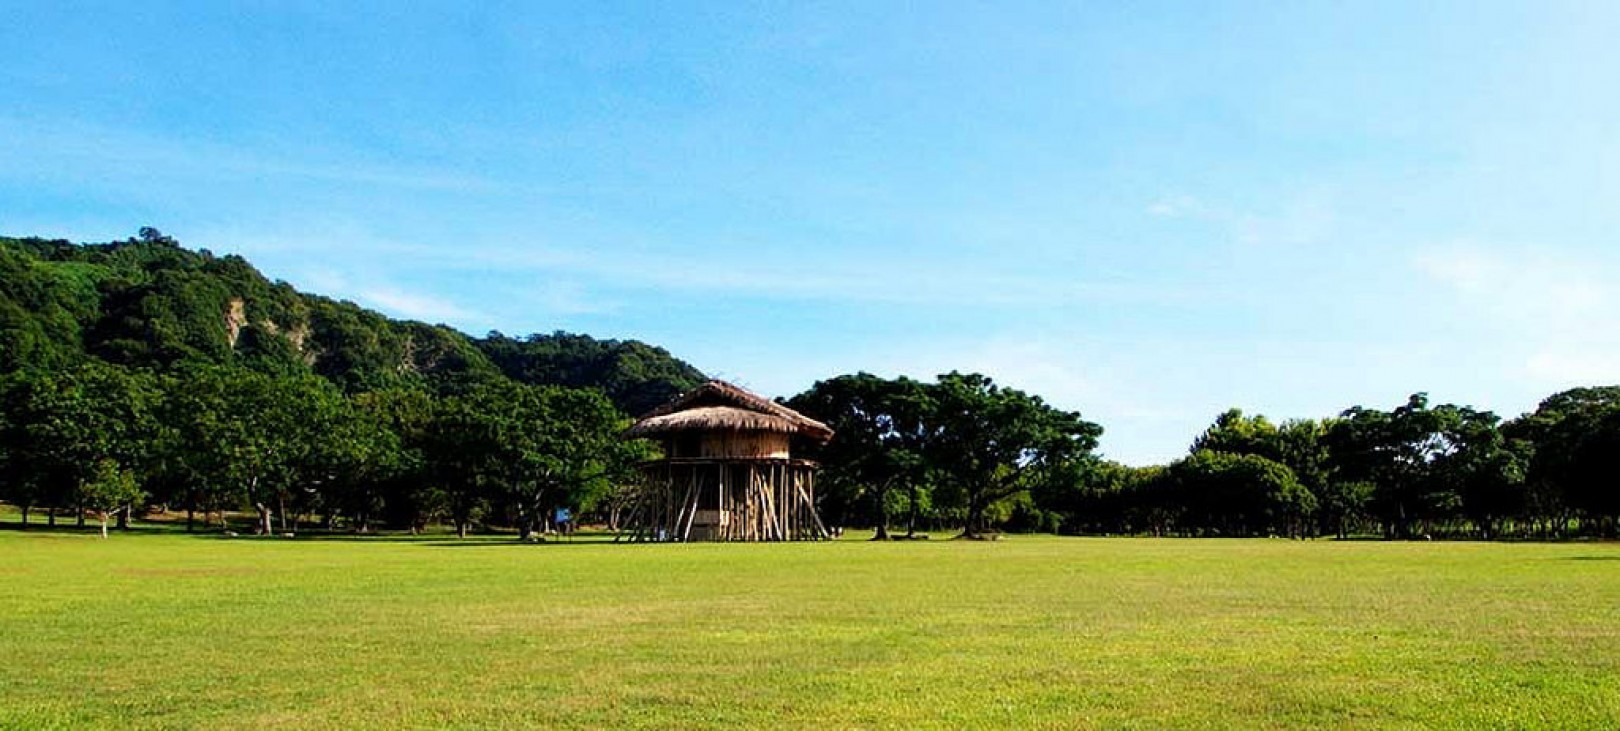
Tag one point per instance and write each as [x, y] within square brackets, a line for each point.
[883, 434]
[147, 303]
[971, 444]
[142, 372]
[140, 375]
[1415, 470]
[636, 376]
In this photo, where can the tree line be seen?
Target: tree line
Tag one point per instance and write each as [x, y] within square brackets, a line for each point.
[139, 375]
[908, 452]
[208, 441]
[910, 456]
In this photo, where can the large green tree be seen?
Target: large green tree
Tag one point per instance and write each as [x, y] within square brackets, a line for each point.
[62, 427]
[386, 476]
[198, 443]
[253, 440]
[883, 430]
[989, 443]
[1240, 495]
[1485, 470]
[1573, 437]
[1397, 452]
[526, 449]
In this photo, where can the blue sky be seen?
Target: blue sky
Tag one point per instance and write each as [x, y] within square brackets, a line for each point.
[1147, 212]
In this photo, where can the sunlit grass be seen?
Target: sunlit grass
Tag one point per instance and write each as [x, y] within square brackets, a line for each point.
[164, 630]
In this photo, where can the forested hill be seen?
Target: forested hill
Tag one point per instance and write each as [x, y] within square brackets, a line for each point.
[149, 303]
[637, 376]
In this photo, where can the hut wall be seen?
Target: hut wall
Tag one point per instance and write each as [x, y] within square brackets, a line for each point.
[744, 444]
[682, 445]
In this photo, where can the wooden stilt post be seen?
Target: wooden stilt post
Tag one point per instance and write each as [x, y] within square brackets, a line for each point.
[752, 519]
[674, 532]
[786, 503]
[825, 534]
[686, 533]
[720, 523]
[821, 530]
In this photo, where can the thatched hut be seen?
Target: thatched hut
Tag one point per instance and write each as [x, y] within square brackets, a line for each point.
[728, 472]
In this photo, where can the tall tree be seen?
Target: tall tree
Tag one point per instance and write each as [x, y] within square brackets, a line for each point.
[1485, 469]
[883, 432]
[563, 449]
[64, 425]
[1572, 437]
[1397, 452]
[989, 443]
[19, 480]
[199, 442]
[463, 458]
[395, 483]
[1235, 433]
[258, 440]
[1240, 494]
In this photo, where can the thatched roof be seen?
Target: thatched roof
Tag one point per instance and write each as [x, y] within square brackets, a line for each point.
[718, 405]
[714, 418]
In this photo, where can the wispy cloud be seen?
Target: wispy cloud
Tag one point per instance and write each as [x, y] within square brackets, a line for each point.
[118, 152]
[1569, 369]
[417, 306]
[1179, 206]
[1520, 282]
[368, 290]
[913, 280]
[1557, 312]
[577, 277]
[1305, 219]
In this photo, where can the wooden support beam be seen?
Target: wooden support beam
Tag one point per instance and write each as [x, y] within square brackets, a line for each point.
[821, 530]
[686, 535]
[673, 533]
[774, 527]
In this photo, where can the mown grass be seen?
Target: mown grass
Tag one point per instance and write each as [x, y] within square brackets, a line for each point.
[163, 631]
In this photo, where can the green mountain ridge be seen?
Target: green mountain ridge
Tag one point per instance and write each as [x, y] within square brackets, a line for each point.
[149, 303]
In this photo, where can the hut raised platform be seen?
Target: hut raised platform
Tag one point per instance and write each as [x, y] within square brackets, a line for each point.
[728, 472]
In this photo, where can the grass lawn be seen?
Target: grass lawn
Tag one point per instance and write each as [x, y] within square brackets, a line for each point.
[163, 630]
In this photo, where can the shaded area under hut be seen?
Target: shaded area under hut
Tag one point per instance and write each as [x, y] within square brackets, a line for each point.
[728, 472]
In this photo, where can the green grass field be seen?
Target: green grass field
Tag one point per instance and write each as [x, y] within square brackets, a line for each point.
[167, 631]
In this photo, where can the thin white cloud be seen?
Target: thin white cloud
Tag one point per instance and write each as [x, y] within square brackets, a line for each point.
[1521, 283]
[582, 274]
[417, 306]
[1467, 270]
[915, 280]
[1306, 219]
[1575, 369]
[1556, 314]
[121, 153]
[1179, 206]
